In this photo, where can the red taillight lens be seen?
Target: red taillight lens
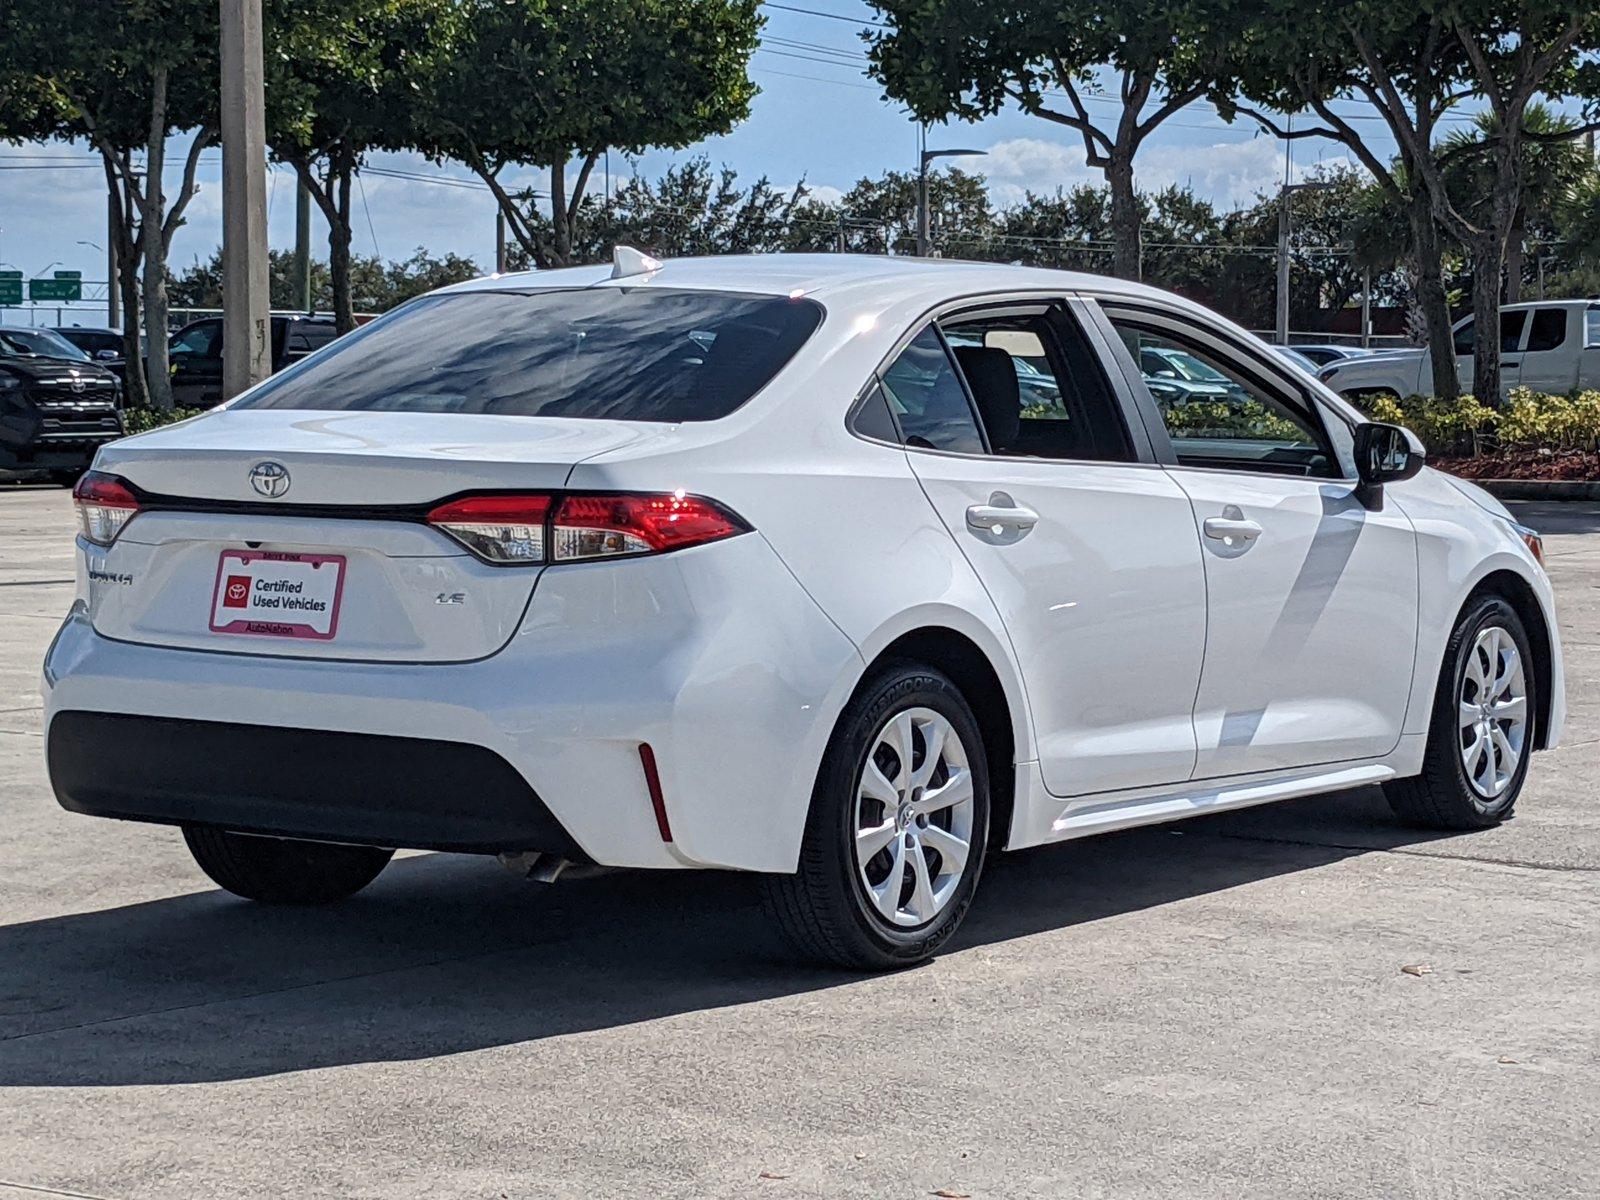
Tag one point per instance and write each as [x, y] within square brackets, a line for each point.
[501, 529]
[534, 529]
[611, 526]
[104, 504]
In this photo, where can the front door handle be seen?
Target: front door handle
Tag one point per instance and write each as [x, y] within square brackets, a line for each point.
[999, 519]
[1226, 529]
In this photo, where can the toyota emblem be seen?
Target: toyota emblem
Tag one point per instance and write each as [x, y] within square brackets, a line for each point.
[270, 479]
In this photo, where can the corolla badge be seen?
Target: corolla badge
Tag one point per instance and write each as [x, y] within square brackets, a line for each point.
[270, 479]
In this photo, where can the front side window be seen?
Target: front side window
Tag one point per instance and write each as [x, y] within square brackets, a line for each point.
[619, 353]
[1549, 329]
[1037, 385]
[203, 340]
[1223, 417]
[1591, 328]
[927, 399]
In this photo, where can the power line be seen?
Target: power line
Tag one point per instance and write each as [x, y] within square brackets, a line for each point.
[812, 12]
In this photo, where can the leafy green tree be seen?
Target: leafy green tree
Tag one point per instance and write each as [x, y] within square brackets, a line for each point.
[1400, 59]
[953, 58]
[376, 286]
[345, 78]
[1413, 63]
[1553, 170]
[691, 209]
[537, 83]
[125, 77]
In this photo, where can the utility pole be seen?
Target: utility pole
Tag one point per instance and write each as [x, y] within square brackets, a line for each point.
[499, 241]
[246, 322]
[302, 246]
[1366, 308]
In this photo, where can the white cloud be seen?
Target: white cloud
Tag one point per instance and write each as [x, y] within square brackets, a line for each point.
[1229, 173]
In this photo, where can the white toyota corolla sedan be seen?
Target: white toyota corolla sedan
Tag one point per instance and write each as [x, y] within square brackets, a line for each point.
[849, 571]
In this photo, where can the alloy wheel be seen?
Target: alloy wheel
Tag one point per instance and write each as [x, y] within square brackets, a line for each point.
[1493, 712]
[913, 817]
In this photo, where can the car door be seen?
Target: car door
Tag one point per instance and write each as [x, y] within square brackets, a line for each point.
[1086, 546]
[1512, 323]
[1311, 594]
[196, 357]
[1549, 358]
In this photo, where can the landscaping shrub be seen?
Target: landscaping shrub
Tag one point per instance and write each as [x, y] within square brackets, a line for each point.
[139, 420]
[1528, 421]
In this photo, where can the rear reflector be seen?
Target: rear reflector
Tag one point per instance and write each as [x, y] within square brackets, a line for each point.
[104, 504]
[652, 780]
[578, 527]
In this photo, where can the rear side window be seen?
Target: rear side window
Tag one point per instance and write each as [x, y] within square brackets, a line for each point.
[1549, 329]
[624, 354]
[927, 399]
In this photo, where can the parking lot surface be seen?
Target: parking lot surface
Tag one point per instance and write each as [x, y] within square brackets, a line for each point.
[1216, 1008]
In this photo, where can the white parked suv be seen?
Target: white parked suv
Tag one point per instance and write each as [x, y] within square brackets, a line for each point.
[1551, 346]
[772, 564]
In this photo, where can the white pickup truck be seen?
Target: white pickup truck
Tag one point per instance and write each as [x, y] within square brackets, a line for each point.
[1549, 345]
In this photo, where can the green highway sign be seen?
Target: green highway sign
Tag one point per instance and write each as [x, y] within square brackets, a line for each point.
[10, 287]
[56, 289]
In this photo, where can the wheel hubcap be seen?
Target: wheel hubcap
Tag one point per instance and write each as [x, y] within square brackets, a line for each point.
[913, 817]
[1493, 712]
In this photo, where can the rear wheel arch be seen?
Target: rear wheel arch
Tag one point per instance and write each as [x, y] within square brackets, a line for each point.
[1518, 592]
[974, 673]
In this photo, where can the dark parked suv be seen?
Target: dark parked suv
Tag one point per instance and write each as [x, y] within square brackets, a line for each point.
[56, 407]
[196, 353]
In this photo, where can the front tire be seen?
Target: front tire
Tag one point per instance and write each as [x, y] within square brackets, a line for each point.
[1481, 734]
[282, 870]
[895, 839]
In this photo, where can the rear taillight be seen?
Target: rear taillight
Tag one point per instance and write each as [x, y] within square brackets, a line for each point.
[498, 529]
[104, 504]
[580, 527]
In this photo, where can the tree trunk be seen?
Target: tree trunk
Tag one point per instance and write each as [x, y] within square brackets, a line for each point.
[1487, 257]
[1127, 248]
[1515, 249]
[158, 373]
[1431, 298]
[134, 392]
[344, 317]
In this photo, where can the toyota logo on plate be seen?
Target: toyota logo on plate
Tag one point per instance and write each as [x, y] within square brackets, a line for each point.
[270, 479]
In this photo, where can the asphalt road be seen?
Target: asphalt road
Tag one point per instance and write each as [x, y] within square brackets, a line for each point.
[1215, 1009]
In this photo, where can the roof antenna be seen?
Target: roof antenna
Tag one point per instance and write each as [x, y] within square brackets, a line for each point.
[625, 261]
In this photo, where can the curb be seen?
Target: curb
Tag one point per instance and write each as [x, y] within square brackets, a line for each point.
[1540, 489]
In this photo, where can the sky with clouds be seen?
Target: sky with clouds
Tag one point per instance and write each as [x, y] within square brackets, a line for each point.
[817, 119]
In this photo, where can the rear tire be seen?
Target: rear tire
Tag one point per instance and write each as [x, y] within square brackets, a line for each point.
[281, 870]
[1481, 734]
[893, 850]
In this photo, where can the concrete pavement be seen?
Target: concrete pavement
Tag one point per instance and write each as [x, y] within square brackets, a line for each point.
[1213, 1009]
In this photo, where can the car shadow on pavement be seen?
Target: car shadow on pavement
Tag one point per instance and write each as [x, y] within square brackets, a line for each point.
[447, 954]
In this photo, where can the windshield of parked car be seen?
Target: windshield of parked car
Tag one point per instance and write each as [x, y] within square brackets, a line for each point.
[1181, 366]
[41, 342]
[627, 354]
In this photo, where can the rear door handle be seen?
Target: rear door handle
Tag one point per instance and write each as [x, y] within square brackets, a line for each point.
[998, 519]
[1227, 528]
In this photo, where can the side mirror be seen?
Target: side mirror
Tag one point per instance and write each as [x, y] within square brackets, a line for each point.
[106, 356]
[1385, 454]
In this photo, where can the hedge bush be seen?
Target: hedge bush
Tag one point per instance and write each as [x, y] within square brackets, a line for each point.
[140, 420]
[1529, 420]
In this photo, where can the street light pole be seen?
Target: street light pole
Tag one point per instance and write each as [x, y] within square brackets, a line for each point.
[924, 240]
[246, 325]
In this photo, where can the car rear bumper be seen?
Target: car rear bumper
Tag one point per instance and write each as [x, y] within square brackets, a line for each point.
[714, 657]
[363, 788]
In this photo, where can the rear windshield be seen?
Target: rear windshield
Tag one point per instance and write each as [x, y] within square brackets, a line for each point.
[626, 354]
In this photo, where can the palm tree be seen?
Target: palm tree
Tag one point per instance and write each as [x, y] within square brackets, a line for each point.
[1551, 175]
